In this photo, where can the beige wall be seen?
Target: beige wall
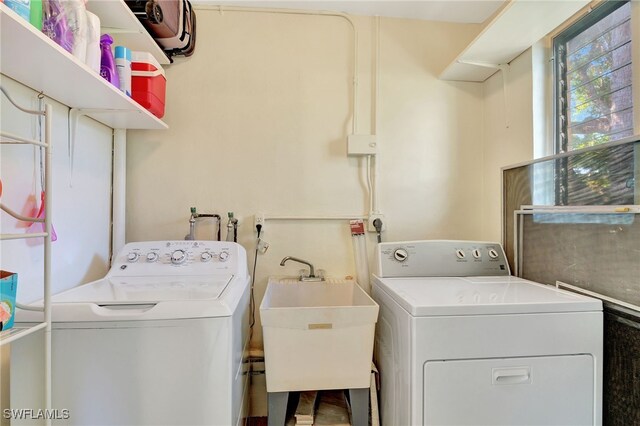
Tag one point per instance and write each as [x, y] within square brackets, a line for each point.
[258, 122]
[507, 136]
[430, 135]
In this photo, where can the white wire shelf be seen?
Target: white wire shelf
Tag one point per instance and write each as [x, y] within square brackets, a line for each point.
[10, 138]
[19, 216]
[21, 236]
[16, 333]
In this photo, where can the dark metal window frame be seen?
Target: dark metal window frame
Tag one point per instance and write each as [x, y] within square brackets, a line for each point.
[560, 103]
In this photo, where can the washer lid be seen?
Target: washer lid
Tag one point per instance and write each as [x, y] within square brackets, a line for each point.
[142, 290]
[439, 296]
[145, 298]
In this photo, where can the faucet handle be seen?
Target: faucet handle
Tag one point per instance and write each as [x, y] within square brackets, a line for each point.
[303, 273]
[304, 276]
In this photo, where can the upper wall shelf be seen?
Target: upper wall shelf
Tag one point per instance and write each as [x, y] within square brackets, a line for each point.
[514, 29]
[117, 19]
[33, 59]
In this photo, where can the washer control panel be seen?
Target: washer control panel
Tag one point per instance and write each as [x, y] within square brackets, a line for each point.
[167, 258]
[436, 258]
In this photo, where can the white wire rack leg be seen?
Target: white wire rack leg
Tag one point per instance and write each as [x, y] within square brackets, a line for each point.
[47, 113]
[47, 263]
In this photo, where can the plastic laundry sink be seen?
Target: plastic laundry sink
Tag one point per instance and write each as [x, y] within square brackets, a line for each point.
[317, 335]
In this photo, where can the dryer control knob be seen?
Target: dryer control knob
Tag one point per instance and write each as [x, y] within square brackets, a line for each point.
[133, 257]
[223, 256]
[400, 255]
[493, 254]
[152, 256]
[178, 257]
[206, 256]
[460, 254]
[476, 253]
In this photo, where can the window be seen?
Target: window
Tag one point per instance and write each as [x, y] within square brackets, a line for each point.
[594, 105]
[594, 101]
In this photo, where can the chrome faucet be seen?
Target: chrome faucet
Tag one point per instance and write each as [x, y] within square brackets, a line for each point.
[192, 225]
[312, 274]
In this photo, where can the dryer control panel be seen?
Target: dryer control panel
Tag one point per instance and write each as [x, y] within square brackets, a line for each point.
[181, 257]
[438, 258]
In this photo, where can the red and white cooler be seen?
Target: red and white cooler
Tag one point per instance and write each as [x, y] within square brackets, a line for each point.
[148, 83]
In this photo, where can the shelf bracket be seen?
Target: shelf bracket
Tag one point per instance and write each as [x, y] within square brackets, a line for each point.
[74, 116]
[504, 68]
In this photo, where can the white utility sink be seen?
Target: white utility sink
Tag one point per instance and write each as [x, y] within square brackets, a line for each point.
[317, 335]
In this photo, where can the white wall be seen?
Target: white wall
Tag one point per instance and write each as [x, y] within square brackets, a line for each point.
[258, 122]
[81, 213]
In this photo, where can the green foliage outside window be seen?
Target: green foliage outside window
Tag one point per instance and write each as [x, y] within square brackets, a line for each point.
[594, 105]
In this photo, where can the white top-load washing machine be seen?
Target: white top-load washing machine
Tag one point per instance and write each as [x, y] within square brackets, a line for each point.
[460, 341]
[161, 340]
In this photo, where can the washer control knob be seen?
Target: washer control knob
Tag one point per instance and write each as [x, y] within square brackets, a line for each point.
[476, 253]
[152, 256]
[400, 255]
[460, 254]
[493, 253]
[223, 256]
[178, 257]
[133, 257]
[206, 256]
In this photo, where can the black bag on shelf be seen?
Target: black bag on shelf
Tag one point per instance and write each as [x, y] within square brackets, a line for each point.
[172, 23]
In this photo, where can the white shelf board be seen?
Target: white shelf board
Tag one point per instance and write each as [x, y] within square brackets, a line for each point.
[33, 59]
[118, 20]
[515, 28]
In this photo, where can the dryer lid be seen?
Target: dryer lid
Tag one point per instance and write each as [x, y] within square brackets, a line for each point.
[440, 296]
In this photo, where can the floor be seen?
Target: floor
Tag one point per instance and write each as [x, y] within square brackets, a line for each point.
[331, 409]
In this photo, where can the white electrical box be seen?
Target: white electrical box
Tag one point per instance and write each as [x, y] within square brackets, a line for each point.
[362, 145]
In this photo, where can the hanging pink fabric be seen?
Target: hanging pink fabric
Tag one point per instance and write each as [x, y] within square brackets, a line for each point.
[39, 226]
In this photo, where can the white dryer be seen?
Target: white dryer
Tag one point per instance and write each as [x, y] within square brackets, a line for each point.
[459, 341]
[161, 340]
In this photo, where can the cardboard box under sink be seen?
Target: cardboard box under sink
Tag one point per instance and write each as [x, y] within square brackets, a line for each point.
[317, 335]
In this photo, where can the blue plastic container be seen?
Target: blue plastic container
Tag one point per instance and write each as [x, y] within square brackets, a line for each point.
[123, 64]
[8, 287]
[21, 7]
